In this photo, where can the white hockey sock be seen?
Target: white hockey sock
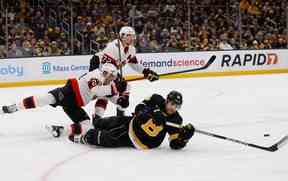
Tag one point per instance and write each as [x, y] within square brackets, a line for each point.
[36, 101]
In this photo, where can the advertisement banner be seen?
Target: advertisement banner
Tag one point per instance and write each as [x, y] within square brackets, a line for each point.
[48, 68]
[64, 67]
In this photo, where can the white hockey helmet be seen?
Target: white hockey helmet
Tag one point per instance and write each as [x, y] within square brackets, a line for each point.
[127, 30]
[110, 69]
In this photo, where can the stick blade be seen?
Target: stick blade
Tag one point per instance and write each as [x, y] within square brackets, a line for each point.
[210, 61]
[279, 144]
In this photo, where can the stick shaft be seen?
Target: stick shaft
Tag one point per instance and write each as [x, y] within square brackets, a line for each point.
[210, 61]
[233, 140]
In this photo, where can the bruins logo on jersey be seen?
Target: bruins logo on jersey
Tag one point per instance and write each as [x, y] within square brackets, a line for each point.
[151, 135]
[151, 128]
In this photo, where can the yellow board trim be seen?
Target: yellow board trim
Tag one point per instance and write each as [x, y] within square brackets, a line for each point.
[32, 83]
[184, 75]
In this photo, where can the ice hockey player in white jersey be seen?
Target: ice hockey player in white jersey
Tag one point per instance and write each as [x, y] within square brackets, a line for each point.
[73, 96]
[120, 52]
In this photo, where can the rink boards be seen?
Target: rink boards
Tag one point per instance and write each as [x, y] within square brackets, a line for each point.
[55, 70]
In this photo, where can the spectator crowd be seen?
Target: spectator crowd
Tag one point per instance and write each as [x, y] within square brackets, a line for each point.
[75, 27]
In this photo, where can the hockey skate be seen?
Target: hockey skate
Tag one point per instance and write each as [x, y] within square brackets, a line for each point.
[9, 109]
[54, 130]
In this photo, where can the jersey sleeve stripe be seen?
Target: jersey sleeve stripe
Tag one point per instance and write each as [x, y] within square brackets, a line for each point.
[76, 90]
[173, 124]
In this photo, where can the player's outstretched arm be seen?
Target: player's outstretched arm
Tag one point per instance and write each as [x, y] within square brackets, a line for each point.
[148, 73]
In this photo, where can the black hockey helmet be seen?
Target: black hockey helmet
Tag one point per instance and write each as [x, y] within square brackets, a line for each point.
[175, 97]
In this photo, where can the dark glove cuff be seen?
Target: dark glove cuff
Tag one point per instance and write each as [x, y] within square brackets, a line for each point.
[146, 71]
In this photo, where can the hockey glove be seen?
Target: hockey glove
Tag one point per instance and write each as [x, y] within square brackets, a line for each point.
[150, 75]
[123, 101]
[94, 63]
[121, 84]
[186, 132]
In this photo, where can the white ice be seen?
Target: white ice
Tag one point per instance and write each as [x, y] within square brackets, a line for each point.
[244, 107]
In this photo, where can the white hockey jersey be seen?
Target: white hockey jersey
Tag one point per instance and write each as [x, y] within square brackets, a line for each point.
[91, 85]
[126, 56]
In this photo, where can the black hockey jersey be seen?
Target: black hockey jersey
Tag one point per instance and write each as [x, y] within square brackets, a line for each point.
[150, 124]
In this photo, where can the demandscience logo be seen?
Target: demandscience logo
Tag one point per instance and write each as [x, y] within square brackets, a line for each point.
[46, 68]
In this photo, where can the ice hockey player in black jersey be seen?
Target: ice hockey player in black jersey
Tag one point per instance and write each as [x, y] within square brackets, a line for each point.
[146, 129]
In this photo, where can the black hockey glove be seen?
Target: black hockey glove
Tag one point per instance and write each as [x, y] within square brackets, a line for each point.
[121, 84]
[186, 132]
[150, 75]
[123, 101]
[94, 63]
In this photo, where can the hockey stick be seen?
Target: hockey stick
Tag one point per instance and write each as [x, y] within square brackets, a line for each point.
[210, 61]
[120, 59]
[272, 148]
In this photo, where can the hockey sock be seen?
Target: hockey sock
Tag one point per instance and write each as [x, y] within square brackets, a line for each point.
[36, 101]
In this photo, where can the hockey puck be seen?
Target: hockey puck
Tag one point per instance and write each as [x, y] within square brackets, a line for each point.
[266, 135]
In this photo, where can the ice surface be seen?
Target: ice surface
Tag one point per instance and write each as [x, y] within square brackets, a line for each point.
[244, 107]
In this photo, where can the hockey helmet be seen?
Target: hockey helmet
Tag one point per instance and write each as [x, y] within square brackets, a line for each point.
[110, 69]
[127, 30]
[176, 98]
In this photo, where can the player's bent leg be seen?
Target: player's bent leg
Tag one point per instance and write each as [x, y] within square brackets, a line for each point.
[109, 132]
[107, 122]
[108, 138]
[64, 96]
[81, 123]
[76, 114]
